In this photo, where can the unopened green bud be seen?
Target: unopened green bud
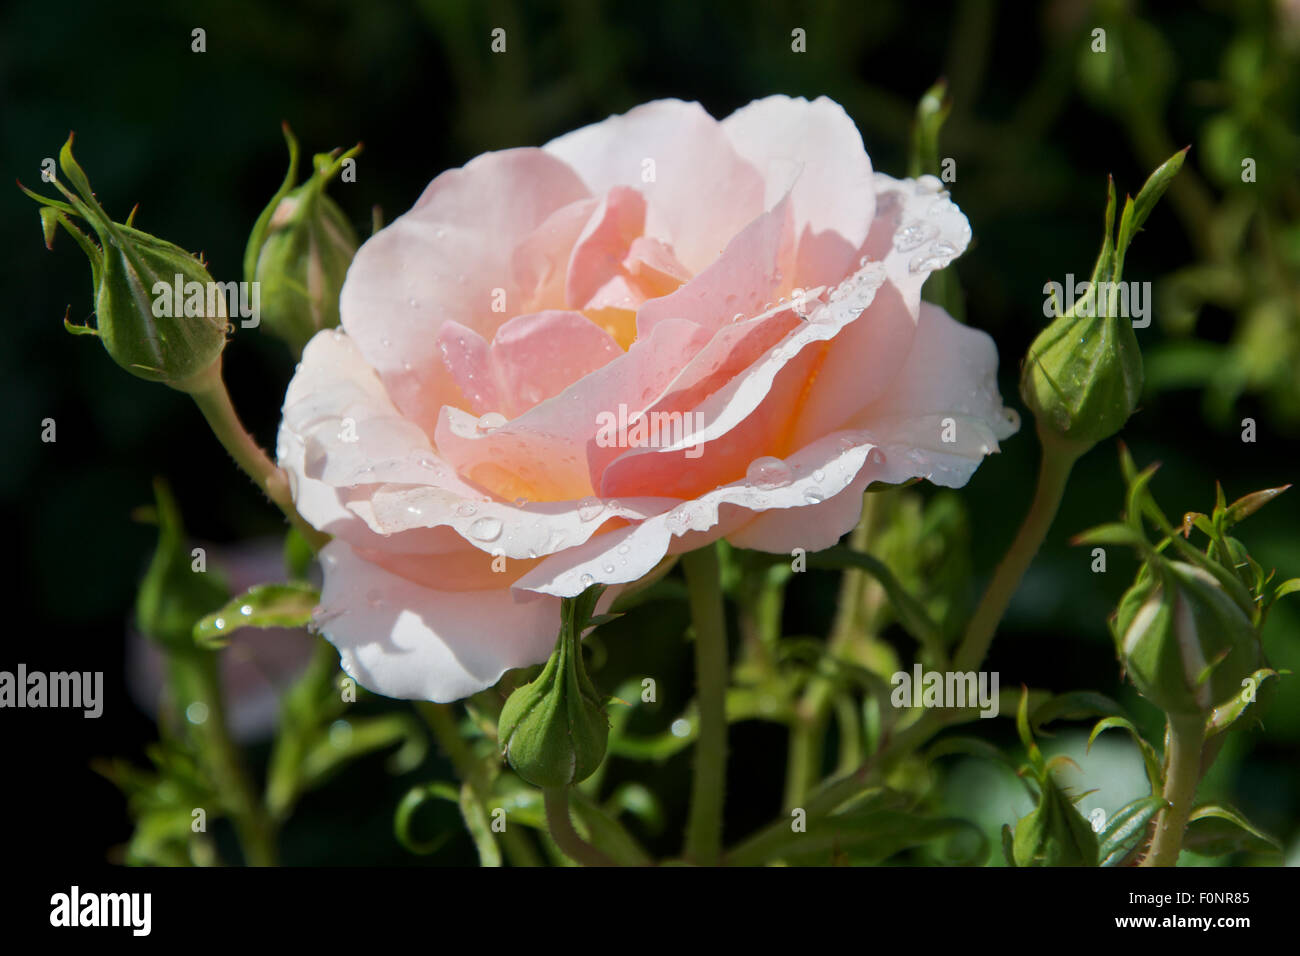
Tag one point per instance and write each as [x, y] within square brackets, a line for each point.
[554, 730]
[1083, 376]
[300, 250]
[1185, 643]
[157, 310]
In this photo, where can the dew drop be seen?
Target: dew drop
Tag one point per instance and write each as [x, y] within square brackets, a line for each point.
[589, 509]
[819, 475]
[489, 422]
[768, 472]
[914, 234]
[465, 509]
[813, 496]
[586, 581]
[485, 529]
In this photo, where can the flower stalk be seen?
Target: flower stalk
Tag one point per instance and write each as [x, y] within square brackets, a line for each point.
[704, 826]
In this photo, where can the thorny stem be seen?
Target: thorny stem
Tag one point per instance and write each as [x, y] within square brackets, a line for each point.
[1186, 737]
[208, 390]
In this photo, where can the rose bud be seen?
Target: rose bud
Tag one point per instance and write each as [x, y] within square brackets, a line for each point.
[1185, 643]
[1082, 376]
[300, 250]
[158, 312]
[554, 730]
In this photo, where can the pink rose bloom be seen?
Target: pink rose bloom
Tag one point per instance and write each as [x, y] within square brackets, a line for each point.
[566, 365]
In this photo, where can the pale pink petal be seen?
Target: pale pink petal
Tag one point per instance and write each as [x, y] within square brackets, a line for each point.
[466, 357]
[947, 387]
[545, 451]
[813, 152]
[402, 640]
[535, 357]
[600, 250]
[753, 272]
[700, 193]
[450, 258]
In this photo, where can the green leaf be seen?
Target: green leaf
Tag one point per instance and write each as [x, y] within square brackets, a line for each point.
[1216, 831]
[1286, 587]
[970, 747]
[349, 739]
[1112, 533]
[1073, 706]
[262, 606]
[871, 836]
[1227, 713]
[1154, 768]
[1126, 827]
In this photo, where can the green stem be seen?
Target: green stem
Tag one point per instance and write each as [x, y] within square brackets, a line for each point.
[565, 836]
[1058, 459]
[808, 732]
[471, 770]
[704, 826]
[196, 680]
[208, 390]
[1186, 737]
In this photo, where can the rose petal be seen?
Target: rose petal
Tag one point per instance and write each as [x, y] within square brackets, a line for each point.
[700, 192]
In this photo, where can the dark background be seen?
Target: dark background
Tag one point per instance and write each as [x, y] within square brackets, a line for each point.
[194, 138]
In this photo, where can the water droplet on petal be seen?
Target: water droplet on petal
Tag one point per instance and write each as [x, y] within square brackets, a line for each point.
[914, 234]
[813, 496]
[590, 509]
[465, 509]
[485, 529]
[586, 581]
[819, 475]
[768, 472]
[489, 422]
